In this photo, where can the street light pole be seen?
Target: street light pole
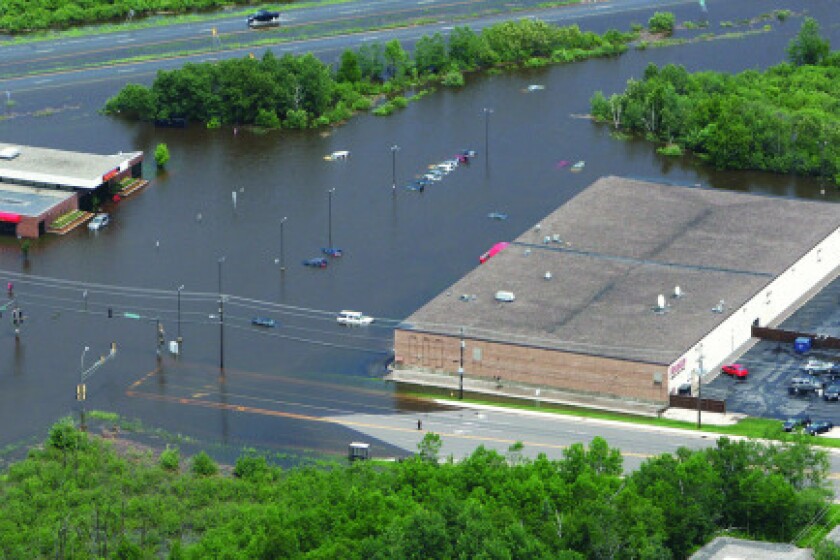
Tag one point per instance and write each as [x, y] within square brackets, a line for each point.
[221, 319]
[329, 218]
[394, 150]
[699, 385]
[282, 251]
[487, 113]
[80, 391]
[180, 340]
[461, 369]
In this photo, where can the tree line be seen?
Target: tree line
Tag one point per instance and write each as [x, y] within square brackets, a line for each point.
[302, 92]
[77, 498]
[785, 119]
[20, 16]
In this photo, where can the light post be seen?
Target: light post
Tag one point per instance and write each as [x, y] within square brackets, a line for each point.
[221, 319]
[394, 150]
[282, 250]
[699, 383]
[461, 369]
[80, 390]
[180, 340]
[329, 217]
[487, 113]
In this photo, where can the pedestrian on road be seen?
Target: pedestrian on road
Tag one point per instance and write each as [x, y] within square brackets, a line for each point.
[419, 424]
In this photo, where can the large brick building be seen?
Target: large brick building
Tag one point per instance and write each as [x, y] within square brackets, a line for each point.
[628, 290]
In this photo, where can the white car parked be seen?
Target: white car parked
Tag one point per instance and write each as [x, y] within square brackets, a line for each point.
[99, 221]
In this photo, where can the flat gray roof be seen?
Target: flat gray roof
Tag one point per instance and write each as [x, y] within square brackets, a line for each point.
[59, 167]
[29, 201]
[612, 250]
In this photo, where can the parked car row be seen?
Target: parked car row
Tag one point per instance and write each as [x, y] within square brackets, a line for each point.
[804, 422]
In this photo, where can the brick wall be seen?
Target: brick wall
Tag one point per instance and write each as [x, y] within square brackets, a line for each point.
[534, 366]
[28, 226]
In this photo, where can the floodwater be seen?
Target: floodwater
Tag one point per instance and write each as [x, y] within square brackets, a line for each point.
[225, 195]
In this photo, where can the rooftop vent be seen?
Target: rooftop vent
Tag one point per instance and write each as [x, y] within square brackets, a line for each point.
[547, 276]
[720, 307]
[678, 293]
[660, 306]
[505, 296]
[9, 153]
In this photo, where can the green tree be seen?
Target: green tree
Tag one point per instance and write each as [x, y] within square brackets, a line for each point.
[429, 447]
[161, 155]
[430, 56]
[662, 22]
[133, 101]
[348, 69]
[808, 47]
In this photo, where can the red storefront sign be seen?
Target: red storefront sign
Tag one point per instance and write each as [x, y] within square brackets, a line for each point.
[9, 217]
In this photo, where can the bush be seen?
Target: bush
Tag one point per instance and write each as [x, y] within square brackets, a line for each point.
[296, 118]
[670, 150]
[250, 467]
[203, 465]
[161, 155]
[267, 118]
[170, 459]
[453, 78]
[662, 22]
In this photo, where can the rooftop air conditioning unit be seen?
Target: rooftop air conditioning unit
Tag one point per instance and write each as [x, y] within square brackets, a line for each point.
[505, 296]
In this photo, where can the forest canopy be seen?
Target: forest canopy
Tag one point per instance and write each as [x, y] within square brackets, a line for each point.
[77, 498]
[303, 92]
[18, 16]
[785, 119]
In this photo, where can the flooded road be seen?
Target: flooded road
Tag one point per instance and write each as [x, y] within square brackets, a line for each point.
[401, 248]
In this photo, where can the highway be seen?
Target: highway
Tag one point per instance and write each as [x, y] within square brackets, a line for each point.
[135, 55]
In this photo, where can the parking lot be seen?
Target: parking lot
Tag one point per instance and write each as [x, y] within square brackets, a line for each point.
[772, 366]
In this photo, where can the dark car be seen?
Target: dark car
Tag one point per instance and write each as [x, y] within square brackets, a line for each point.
[832, 392]
[263, 322]
[804, 385]
[264, 18]
[319, 262]
[796, 422]
[819, 427]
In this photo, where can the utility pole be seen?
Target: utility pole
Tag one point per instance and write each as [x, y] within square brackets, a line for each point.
[81, 389]
[461, 369]
[394, 150]
[699, 385]
[487, 113]
[179, 339]
[282, 248]
[221, 319]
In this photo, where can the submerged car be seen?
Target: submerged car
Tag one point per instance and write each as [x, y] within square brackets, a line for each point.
[319, 262]
[264, 322]
[99, 221]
